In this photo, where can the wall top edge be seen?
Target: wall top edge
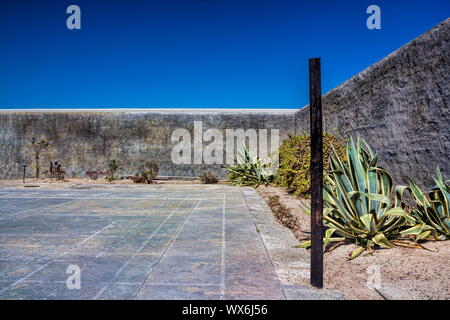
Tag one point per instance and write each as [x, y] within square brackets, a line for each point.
[154, 110]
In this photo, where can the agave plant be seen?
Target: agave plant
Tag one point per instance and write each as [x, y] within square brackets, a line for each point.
[358, 205]
[249, 170]
[431, 211]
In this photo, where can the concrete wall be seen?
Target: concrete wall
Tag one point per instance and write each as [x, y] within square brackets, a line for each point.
[400, 106]
[88, 139]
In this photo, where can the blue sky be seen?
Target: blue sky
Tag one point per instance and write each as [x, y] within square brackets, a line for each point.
[206, 53]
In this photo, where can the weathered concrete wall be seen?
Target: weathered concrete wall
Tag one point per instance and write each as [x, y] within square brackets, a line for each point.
[400, 106]
[88, 140]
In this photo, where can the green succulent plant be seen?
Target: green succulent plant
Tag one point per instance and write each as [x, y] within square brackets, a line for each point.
[248, 170]
[361, 205]
[113, 166]
[295, 155]
[431, 211]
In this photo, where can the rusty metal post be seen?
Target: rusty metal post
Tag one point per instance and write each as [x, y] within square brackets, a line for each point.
[315, 107]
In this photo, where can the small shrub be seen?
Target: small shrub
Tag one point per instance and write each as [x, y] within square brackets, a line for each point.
[208, 178]
[147, 173]
[55, 171]
[95, 174]
[59, 172]
[295, 154]
[113, 166]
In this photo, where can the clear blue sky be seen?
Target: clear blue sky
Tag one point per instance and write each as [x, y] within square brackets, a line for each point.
[185, 53]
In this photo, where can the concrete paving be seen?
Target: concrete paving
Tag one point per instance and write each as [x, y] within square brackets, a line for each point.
[133, 242]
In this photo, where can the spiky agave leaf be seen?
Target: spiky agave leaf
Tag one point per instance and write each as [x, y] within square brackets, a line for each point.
[432, 210]
[248, 170]
[358, 200]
